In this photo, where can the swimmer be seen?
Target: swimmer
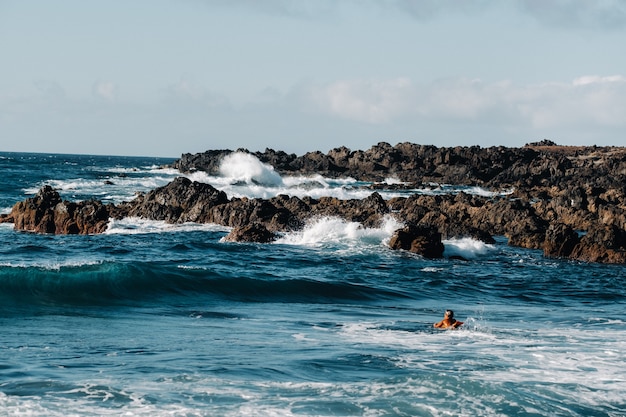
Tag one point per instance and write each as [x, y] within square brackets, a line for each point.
[448, 322]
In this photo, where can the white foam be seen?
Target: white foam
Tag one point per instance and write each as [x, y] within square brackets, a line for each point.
[393, 181]
[240, 175]
[431, 269]
[244, 175]
[336, 231]
[136, 225]
[53, 266]
[467, 248]
[244, 167]
[563, 357]
[486, 193]
[116, 189]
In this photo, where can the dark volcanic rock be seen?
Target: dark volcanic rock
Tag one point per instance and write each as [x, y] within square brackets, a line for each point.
[423, 240]
[559, 192]
[179, 201]
[560, 241]
[48, 213]
[606, 244]
[251, 233]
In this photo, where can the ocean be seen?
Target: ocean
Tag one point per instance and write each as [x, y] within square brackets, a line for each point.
[155, 319]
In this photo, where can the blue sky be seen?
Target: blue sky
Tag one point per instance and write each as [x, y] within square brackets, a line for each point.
[165, 77]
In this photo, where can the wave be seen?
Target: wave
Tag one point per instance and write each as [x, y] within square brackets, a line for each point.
[136, 226]
[244, 175]
[240, 175]
[243, 167]
[467, 248]
[334, 231]
[114, 283]
[329, 232]
[107, 189]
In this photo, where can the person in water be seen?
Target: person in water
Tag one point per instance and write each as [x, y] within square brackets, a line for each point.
[448, 322]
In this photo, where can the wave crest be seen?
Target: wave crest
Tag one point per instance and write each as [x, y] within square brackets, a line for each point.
[246, 168]
[336, 231]
[466, 248]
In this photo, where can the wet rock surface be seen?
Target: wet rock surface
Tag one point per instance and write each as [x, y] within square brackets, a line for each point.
[254, 232]
[569, 202]
[423, 240]
[47, 213]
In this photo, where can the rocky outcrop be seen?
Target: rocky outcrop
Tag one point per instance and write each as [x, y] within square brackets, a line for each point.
[540, 164]
[606, 244]
[46, 212]
[568, 201]
[180, 201]
[254, 232]
[560, 241]
[185, 201]
[419, 239]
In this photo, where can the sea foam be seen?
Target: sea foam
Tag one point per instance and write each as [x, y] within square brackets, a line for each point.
[244, 175]
[325, 231]
[467, 248]
[136, 225]
[243, 167]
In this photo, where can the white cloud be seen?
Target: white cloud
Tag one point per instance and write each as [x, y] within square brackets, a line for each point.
[106, 90]
[595, 79]
[191, 118]
[589, 100]
[365, 100]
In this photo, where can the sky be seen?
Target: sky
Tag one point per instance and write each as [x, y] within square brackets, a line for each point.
[167, 77]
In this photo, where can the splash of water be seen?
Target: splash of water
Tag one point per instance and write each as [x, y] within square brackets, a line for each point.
[466, 248]
[246, 168]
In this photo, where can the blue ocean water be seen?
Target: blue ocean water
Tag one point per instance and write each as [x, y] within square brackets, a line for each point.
[151, 319]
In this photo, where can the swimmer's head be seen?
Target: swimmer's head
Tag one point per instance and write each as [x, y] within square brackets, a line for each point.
[449, 314]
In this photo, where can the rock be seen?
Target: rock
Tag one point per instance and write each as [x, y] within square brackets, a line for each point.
[558, 190]
[179, 201]
[423, 240]
[603, 244]
[47, 213]
[560, 241]
[254, 232]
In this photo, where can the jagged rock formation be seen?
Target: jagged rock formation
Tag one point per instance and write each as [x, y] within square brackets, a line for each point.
[251, 233]
[423, 240]
[568, 201]
[541, 164]
[46, 212]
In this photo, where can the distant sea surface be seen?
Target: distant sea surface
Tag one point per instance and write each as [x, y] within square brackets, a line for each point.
[154, 319]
